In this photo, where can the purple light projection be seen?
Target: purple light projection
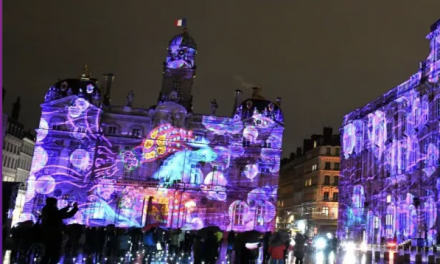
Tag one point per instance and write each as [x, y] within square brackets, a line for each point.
[390, 178]
[219, 171]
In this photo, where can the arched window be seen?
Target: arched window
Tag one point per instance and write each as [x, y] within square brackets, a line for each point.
[238, 214]
[260, 215]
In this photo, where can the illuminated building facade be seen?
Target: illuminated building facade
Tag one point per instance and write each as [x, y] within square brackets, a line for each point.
[390, 177]
[308, 188]
[130, 166]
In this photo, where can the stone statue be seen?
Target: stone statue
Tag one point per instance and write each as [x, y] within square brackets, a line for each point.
[214, 107]
[129, 98]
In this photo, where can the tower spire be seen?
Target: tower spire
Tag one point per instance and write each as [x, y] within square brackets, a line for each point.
[86, 74]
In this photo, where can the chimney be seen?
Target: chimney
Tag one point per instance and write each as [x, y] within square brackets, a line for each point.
[16, 109]
[237, 100]
[328, 134]
[292, 156]
[298, 152]
[107, 81]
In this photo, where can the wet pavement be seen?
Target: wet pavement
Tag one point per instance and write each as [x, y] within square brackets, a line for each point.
[163, 257]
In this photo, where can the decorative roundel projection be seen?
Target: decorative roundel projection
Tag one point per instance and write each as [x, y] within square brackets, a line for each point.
[197, 223]
[215, 178]
[43, 130]
[251, 171]
[250, 133]
[349, 140]
[40, 159]
[45, 184]
[80, 159]
[90, 88]
[256, 197]
[261, 121]
[78, 107]
[130, 160]
[27, 217]
[30, 192]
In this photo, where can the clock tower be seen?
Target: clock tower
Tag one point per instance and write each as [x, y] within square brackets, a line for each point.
[179, 70]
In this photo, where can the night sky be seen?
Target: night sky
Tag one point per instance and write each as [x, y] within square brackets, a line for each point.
[324, 58]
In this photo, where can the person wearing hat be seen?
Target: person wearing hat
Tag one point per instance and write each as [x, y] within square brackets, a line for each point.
[52, 223]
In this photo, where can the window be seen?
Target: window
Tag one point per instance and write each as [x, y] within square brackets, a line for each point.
[389, 198]
[338, 152]
[112, 130]
[329, 151]
[389, 219]
[177, 84]
[326, 196]
[327, 165]
[336, 167]
[336, 181]
[239, 214]
[314, 167]
[334, 212]
[335, 196]
[325, 210]
[376, 222]
[136, 132]
[327, 180]
[260, 215]
[314, 144]
[246, 142]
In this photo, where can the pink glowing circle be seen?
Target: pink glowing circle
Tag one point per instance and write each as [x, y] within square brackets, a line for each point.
[43, 130]
[215, 178]
[251, 171]
[250, 133]
[80, 159]
[40, 159]
[45, 184]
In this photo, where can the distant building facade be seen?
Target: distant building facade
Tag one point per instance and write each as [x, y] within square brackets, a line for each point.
[390, 174]
[308, 187]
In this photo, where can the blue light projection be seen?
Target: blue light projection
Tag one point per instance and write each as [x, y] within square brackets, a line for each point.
[214, 171]
[390, 177]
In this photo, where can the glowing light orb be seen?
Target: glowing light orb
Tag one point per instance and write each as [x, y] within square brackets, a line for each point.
[43, 130]
[80, 159]
[250, 133]
[251, 171]
[197, 223]
[215, 178]
[45, 184]
[130, 160]
[27, 217]
[349, 140]
[40, 159]
[30, 192]
[90, 88]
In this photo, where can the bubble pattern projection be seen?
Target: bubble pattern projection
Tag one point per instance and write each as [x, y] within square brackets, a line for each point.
[389, 185]
[199, 175]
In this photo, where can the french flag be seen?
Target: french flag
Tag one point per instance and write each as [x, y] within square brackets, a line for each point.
[181, 22]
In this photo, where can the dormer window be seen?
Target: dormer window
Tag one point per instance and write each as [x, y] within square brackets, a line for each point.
[112, 130]
[246, 142]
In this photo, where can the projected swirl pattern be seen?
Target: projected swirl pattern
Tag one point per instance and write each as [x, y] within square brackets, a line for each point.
[218, 171]
[390, 182]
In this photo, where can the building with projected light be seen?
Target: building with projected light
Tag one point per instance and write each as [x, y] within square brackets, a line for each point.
[390, 176]
[132, 166]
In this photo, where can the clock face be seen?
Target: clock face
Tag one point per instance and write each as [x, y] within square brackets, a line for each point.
[180, 57]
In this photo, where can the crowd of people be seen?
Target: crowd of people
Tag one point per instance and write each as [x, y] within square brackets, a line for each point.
[47, 240]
